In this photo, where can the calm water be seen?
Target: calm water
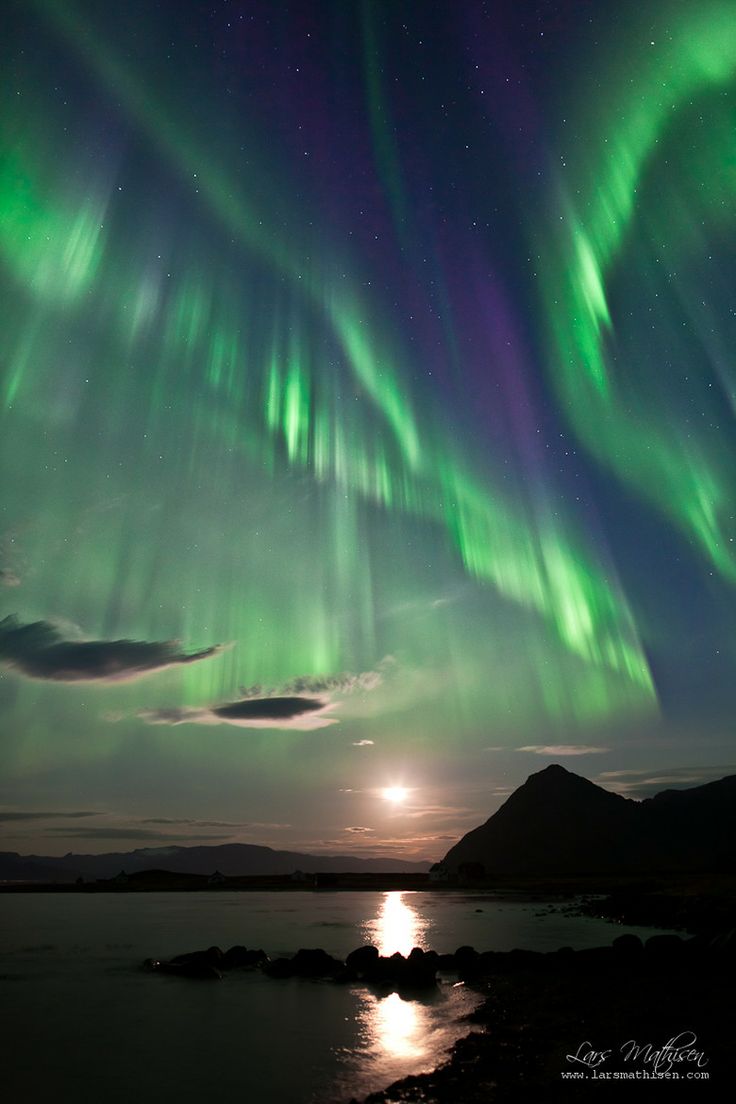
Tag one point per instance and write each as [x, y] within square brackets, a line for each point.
[83, 1022]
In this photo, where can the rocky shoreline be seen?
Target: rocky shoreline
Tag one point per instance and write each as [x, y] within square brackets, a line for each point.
[538, 1009]
[410, 975]
[658, 1011]
[541, 1008]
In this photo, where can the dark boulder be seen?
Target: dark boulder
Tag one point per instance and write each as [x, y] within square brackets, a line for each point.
[213, 956]
[383, 969]
[465, 953]
[240, 958]
[194, 964]
[279, 968]
[467, 961]
[490, 962]
[418, 971]
[363, 959]
[595, 958]
[315, 962]
[628, 948]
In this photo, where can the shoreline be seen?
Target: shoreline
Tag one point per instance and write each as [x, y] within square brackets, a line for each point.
[534, 1005]
[656, 1011]
[538, 1010]
[545, 1017]
[672, 897]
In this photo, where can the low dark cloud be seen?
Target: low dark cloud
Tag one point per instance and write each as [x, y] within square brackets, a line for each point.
[268, 709]
[192, 823]
[133, 834]
[303, 704]
[8, 815]
[276, 712]
[39, 651]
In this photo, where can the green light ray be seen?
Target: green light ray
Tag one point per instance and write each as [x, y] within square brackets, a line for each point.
[292, 465]
[691, 480]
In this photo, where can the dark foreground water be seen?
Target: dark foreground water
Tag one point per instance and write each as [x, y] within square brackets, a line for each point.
[82, 1022]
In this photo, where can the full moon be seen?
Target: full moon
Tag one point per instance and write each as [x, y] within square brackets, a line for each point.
[395, 794]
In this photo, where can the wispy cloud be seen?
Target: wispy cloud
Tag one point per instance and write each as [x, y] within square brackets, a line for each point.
[303, 703]
[440, 815]
[341, 684]
[11, 815]
[562, 749]
[40, 651]
[363, 743]
[415, 848]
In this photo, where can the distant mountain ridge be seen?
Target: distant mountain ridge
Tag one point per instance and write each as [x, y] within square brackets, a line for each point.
[560, 823]
[231, 859]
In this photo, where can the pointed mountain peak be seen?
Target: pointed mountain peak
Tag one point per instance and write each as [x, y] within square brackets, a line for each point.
[554, 777]
[555, 784]
[559, 822]
[554, 770]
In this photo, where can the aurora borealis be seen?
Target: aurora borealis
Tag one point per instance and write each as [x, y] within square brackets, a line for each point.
[366, 385]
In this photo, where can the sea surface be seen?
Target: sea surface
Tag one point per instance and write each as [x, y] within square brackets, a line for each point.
[82, 1021]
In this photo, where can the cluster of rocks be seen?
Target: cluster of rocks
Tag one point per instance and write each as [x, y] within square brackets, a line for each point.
[208, 964]
[414, 972]
[418, 970]
[662, 950]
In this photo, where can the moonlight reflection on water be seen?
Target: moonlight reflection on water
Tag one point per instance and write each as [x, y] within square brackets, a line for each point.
[395, 1030]
[398, 927]
[71, 964]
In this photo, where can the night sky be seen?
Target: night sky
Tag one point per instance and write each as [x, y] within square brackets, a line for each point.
[367, 401]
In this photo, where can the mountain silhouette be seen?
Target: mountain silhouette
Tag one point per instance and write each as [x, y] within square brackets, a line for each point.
[560, 823]
[231, 859]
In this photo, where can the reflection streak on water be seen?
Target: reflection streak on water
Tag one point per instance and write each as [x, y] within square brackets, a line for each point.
[398, 926]
[397, 1027]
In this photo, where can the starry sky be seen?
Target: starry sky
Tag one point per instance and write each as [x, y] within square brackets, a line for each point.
[366, 414]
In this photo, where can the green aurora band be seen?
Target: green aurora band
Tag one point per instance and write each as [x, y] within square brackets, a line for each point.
[620, 173]
[277, 397]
